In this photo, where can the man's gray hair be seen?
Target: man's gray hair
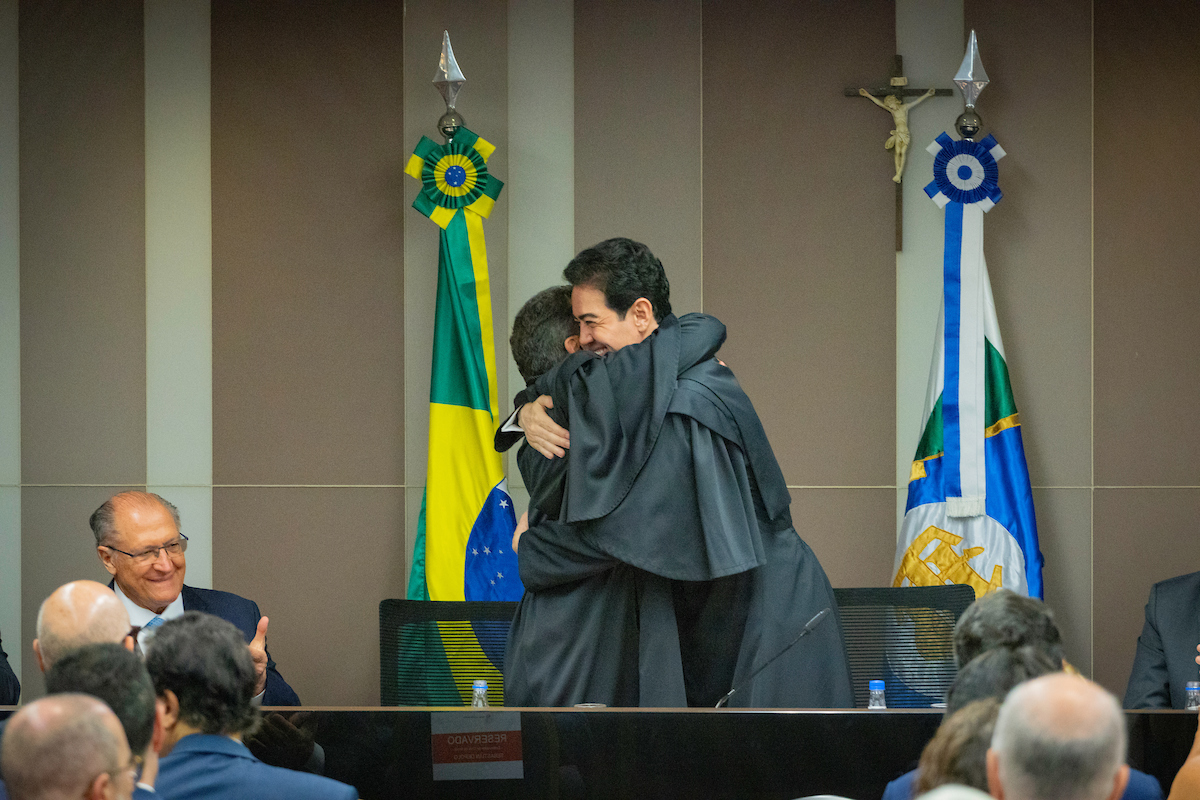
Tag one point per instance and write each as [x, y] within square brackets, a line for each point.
[103, 518]
[1053, 745]
[55, 746]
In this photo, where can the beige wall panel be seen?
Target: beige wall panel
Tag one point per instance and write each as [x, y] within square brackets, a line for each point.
[1147, 285]
[1065, 530]
[798, 229]
[307, 163]
[1142, 536]
[638, 131]
[57, 546]
[1038, 239]
[317, 562]
[852, 531]
[82, 228]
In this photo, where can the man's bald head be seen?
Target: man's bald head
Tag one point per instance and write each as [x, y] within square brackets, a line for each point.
[1058, 737]
[75, 614]
[66, 745]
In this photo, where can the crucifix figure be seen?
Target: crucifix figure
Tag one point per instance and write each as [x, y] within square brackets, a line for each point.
[900, 138]
[893, 102]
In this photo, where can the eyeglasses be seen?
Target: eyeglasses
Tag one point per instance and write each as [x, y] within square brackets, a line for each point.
[175, 548]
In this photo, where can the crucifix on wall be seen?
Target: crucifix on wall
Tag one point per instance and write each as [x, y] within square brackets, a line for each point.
[893, 102]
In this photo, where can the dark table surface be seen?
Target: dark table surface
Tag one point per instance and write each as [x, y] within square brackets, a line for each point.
[692, 753]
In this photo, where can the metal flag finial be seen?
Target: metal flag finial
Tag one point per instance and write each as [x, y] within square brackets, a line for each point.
[971, 76]
[449, 79]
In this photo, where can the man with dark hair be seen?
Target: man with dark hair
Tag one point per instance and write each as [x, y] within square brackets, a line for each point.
[671, 474]
[140, 543]
[204, 677]
[1004, 618]
[66, 745]
[112, 673]
[544, 332]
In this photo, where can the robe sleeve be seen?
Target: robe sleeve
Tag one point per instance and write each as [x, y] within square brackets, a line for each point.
[551, 553]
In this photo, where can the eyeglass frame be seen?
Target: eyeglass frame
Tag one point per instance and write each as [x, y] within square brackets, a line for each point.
[183, 540]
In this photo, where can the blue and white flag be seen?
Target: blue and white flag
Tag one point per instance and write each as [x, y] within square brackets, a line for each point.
[969, 517]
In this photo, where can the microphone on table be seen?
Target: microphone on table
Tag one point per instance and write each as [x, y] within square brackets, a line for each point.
[812, 624]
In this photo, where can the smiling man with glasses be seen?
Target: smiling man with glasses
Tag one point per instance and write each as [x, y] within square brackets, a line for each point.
[139, 541]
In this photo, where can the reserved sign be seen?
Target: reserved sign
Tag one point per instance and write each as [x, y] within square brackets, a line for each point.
[476, 745]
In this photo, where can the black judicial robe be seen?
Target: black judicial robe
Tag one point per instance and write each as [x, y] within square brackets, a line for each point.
[665, 532]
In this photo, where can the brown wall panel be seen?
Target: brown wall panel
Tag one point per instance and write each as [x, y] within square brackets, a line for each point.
[308, 159]
[57, 546]
[638, 132]
[798, 235]
[1142, 536]
[82, 224]
[1147, 285]
[852, 531]
[1065, 535]
[317, 562]
[1039, 236]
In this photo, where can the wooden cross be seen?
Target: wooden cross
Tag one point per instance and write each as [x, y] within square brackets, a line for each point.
[898, 87]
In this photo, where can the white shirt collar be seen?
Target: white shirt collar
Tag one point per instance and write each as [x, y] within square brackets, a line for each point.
[140, 616]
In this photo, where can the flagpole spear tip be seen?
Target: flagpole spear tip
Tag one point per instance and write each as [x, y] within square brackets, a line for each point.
[971, 79]
[449, 80]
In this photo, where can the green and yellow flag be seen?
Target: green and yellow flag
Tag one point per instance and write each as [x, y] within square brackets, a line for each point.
[463, 549]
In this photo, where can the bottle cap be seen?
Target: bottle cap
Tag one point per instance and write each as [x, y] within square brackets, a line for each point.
[1192, 685]
[480, 685]
[875, 686]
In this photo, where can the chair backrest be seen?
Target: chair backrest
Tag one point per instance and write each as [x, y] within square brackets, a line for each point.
[905, 637]
[431, 651]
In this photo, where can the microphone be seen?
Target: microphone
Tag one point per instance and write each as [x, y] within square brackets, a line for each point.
[812, 624]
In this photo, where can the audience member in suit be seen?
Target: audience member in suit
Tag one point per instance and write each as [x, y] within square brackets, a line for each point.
[205, 680]
[1166, 651]
[1058, 736]
[1004, 639]
[10, 687]
[66, 745]
[111, 673]
[140, 543]
[77, 614]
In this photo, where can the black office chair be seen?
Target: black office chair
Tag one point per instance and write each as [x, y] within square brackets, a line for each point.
[904, 636]
[430, 652]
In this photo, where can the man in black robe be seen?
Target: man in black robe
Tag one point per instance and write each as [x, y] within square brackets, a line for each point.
[671, 475]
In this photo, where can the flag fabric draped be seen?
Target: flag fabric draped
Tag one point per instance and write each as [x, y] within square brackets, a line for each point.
[969, 518]
[463, 548]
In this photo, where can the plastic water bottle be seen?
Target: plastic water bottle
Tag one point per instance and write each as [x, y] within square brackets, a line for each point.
[1192, 693]
[876, 700]
[479, 695]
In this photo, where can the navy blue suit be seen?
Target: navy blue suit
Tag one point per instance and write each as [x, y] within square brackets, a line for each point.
[1140, 787]
[1166, 650]
[244, 614]
[10, 687]
[206, 767]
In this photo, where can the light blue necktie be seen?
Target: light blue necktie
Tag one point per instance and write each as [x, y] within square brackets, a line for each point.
[152, 624]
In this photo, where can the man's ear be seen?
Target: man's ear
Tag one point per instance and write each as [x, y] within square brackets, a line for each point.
[167, 708]
[1120, 781]
[643, 314]
[129, 643]
[37, 653]
[571, 343]
[101, 788]
[159, 734]
[993, 775]
[106, 558]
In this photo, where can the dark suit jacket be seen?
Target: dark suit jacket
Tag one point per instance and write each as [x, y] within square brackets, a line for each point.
[206, 767]
[10, 687]
[244, 614]
[1166, 650]
[1140, 787]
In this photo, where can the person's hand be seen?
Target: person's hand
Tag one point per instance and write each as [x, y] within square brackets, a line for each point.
[285, 741]
[1198, 651]
[543, 434]
[523, 525]
[258, 651]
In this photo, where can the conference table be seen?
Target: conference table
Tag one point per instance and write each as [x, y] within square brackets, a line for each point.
[422, 752]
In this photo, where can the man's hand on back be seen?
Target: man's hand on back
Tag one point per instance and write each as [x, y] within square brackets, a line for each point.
[543, 434]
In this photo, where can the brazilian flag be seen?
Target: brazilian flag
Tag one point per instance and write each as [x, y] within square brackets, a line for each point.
[463, 549]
